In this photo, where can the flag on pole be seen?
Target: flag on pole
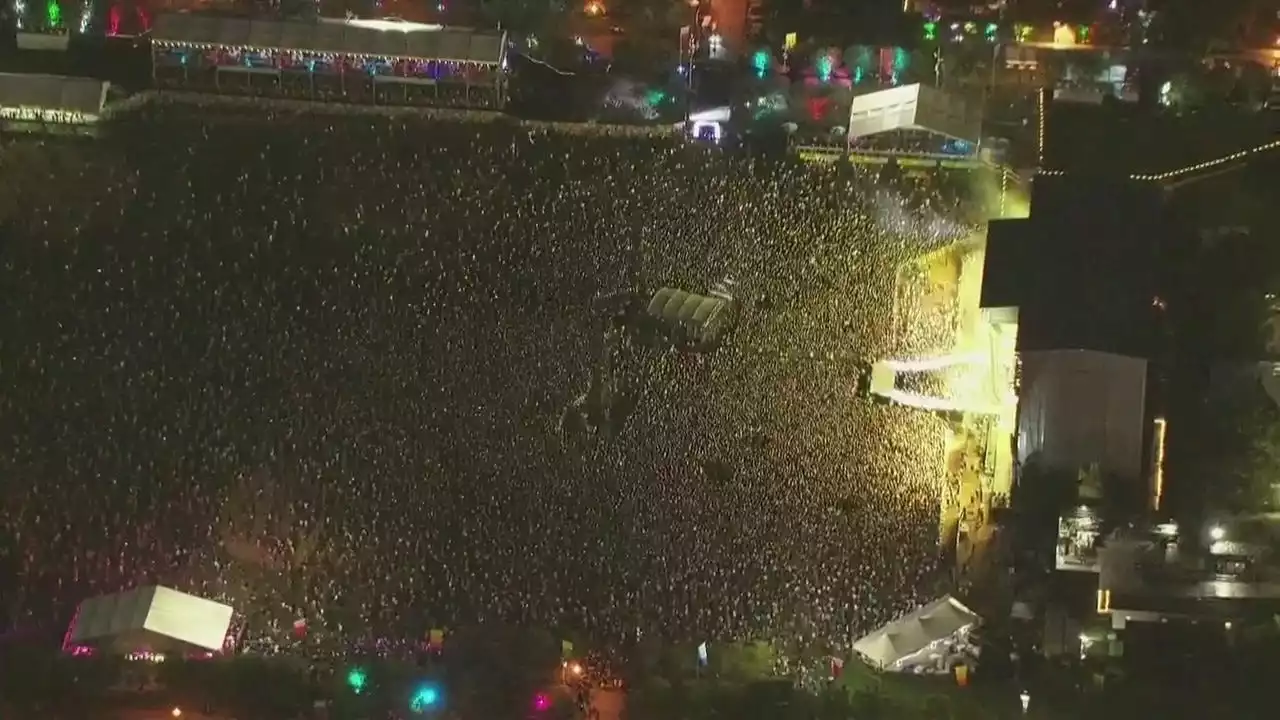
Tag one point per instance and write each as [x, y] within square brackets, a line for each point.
[566, 649]
[435, 638]
[837, 667]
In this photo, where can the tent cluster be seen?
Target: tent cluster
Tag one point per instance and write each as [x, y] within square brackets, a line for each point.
[691, 321]
[921, 639]
[150, 619]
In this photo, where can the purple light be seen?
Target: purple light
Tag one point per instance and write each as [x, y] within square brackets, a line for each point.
[541, 702]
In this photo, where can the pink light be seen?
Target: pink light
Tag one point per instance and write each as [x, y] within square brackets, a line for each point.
[66, 638]
[541, 702]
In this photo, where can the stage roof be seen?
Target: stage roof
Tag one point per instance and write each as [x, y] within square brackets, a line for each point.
[150, 616]
[941, 619]
[914, 107]
[386, 39]
[53, 92]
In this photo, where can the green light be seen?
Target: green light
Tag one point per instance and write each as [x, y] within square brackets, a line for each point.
[53, 12]
[825, 67]
[992, 29]
[931, 31]
[655, 97]
[357, 679]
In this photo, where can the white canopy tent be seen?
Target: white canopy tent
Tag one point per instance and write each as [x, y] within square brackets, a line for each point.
[914, 107]
[151, 618]
[895, 645]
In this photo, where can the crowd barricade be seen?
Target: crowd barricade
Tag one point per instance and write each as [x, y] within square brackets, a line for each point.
[448, 114]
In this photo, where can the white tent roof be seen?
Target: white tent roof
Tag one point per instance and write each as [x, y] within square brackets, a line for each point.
[153, 613]
[370, 38]
[716, 114]
[913, 107]
[53, 92]
[915, 631]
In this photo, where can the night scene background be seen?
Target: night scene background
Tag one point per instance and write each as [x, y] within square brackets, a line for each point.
[638, 358]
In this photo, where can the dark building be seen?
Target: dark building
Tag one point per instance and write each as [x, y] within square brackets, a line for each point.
[841, 23]
[1123, 198]
[1082, 269]
[1082, 274]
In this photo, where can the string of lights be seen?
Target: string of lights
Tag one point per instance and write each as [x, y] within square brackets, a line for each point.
[1237, 156]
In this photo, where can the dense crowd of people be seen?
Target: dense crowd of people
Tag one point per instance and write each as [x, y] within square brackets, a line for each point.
[313, 365]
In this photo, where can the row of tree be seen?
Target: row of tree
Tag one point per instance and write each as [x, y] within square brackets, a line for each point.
[494, 673]
[491, 679]
[1224, 281]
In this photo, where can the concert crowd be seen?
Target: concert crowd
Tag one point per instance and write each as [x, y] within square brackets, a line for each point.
[313, 365]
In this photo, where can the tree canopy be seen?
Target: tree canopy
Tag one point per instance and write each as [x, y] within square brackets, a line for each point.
[1222, 284]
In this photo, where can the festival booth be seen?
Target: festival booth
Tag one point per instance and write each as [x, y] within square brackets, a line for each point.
[50, 103]
[709, 125]
[381, 62]
[46, 26]
[146, 623]
[933, 639]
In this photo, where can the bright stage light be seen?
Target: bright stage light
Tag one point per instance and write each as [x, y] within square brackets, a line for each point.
[357, 679]
[934, 363]
[424, 699]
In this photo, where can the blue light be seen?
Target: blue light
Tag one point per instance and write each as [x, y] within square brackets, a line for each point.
[424, 699]
[761, 61]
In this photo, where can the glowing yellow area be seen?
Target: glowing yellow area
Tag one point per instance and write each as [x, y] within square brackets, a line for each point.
[972, 367]
[979, 464]
[968, 353]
